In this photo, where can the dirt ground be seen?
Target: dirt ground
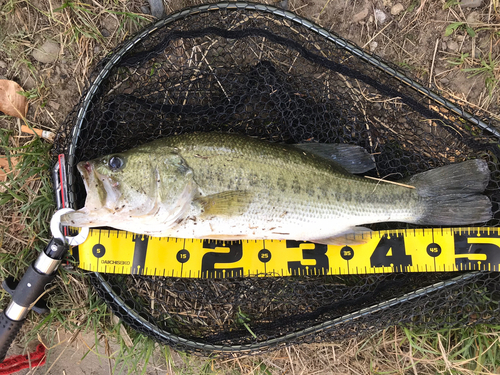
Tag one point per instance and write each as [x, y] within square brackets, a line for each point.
[465, 65]
[78, 355]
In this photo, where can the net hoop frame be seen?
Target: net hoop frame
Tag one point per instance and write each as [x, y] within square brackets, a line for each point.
[169, 338]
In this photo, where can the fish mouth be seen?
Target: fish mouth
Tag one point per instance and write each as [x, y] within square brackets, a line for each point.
[102, 192]
[96, 196]
[85, 168]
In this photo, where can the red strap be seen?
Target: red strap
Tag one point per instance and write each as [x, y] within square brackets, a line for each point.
[19, 362]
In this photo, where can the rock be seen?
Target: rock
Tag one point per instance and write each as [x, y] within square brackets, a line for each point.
[47, 53]
[360, 15]
[105, 33]
[380, 16]
[373, 46]
[473, 17]
[444, 46]
[145, 9]
[397, 8]
[109, 23]
[97, 49]
[471, 3]
[157, 8]
[29, 83]
[283, 4]
[452, 46]
[3, 64]
[53, 105]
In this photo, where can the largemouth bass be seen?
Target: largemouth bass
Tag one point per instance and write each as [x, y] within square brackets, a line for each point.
[230, 187]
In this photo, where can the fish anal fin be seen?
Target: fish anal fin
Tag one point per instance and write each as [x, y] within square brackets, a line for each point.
[227, 203]
[351, 236]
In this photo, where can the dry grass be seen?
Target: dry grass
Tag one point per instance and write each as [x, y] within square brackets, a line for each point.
[387, 352]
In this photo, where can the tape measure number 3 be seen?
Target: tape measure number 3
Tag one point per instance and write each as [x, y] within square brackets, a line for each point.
[411, 250]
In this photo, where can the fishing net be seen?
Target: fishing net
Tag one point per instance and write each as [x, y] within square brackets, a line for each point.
[265, 72]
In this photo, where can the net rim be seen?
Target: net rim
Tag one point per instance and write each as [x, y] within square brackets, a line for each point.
[247, 6]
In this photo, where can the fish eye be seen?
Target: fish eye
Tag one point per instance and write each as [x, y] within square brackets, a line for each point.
[115, 163]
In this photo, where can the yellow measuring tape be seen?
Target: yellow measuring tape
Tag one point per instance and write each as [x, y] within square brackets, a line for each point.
[410, 250]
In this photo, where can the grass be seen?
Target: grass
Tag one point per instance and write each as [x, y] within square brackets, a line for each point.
[461, 351]
[83, 20]
[25, 196]
[486, 64]
[26, 205]
[452, 27]
[26, 201]
[489, 70]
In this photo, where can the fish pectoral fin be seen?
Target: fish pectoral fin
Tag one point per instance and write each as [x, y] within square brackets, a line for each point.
[354, 159]
[351, 236]
[227, 203]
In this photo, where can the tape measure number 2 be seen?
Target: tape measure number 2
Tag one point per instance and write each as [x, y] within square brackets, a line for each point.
[415, 250]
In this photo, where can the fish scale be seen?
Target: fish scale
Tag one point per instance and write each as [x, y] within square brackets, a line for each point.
[310, 183]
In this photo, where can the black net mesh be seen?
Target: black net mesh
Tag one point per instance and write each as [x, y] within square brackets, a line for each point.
[264, 72]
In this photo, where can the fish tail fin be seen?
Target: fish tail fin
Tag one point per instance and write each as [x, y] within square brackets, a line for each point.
[452, 194]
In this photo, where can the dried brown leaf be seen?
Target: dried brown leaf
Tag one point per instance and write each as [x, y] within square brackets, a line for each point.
[4, 167]
[12, 103]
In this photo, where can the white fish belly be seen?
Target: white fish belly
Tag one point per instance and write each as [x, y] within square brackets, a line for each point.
[300, 227]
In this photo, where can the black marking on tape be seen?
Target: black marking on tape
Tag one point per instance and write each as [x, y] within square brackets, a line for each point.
[209, 260]
[140, 251]
[75, 253]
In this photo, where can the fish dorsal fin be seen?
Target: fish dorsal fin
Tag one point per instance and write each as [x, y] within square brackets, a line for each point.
[227, 203]
[352, 158]
[351, 236]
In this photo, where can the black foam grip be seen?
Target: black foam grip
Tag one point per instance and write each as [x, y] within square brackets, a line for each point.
[31, 286]
[8, 332]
